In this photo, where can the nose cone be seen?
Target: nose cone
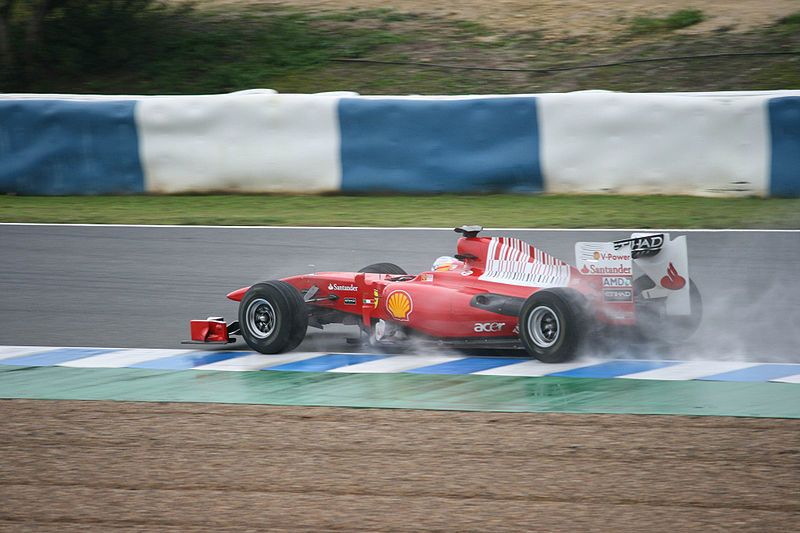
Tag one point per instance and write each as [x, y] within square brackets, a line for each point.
[238, 294]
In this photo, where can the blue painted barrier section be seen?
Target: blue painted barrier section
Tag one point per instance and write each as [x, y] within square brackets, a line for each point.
[68, 147]
[784, 125]
[433, 146]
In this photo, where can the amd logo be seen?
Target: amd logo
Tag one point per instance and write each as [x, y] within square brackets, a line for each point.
[619, 281]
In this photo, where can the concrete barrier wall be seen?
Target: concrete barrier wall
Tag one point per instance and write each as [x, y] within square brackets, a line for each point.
[440, 145]
[641, 144]
[240, 143]
[784, 130]
[728, 144]
[69, 147]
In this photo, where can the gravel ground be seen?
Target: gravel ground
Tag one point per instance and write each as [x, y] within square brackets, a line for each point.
[113, 466]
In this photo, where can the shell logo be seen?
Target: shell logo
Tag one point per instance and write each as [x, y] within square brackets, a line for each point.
[596, 255]
[399, 305]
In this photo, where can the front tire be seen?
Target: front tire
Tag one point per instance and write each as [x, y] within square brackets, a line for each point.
[551, 324]
[273, 317]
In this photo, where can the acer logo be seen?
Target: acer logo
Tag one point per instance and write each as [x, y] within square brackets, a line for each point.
[487, 327]
[673, 281]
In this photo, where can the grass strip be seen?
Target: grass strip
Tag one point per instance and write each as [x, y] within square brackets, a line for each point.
[408, 211]
[679, 19]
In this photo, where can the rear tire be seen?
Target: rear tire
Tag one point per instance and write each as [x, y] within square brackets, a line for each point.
[551, 324]
[384, 268]
[273, 317]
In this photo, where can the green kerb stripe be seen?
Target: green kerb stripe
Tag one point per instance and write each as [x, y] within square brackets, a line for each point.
[406, 391]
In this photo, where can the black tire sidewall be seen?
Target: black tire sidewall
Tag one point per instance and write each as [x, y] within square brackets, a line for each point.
[299, 314]
[285, 313]
[568, 312]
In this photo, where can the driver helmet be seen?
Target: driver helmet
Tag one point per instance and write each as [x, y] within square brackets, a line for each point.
[445, 262]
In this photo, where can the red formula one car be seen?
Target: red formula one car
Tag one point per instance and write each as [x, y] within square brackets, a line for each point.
[495, 292]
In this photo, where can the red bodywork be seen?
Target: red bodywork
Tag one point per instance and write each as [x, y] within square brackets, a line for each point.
[209, 330]
[478, 296]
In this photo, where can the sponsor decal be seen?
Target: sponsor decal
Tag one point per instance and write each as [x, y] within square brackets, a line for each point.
[376, 298]
[618, 295]
[602, 259]
[673, 281]
[601, 252]
[399, 305]
[642, 246]
[595, 269]
[334, 287]
[618, 281]
[426, 277]
[350, 301]
[609, 256]
[515, 331]
[467, 273]
[487, 327]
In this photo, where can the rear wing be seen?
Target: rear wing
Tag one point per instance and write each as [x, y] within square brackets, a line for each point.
[664, 261]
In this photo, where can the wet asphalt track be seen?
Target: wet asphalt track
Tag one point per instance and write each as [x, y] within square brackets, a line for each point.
[139, 286]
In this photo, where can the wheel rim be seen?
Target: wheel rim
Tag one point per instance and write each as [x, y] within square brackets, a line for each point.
[544, 326]
[261, 318]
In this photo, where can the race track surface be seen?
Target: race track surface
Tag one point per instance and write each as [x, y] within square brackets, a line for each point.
[141, 466]
[137, 287]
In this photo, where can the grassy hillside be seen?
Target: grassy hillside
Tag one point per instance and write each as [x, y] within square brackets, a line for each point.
[229, 46]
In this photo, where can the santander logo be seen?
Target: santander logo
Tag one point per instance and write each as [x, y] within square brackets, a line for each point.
[673, 281]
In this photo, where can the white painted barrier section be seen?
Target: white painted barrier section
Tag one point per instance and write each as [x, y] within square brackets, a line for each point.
[604, 142]
[240, 143]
